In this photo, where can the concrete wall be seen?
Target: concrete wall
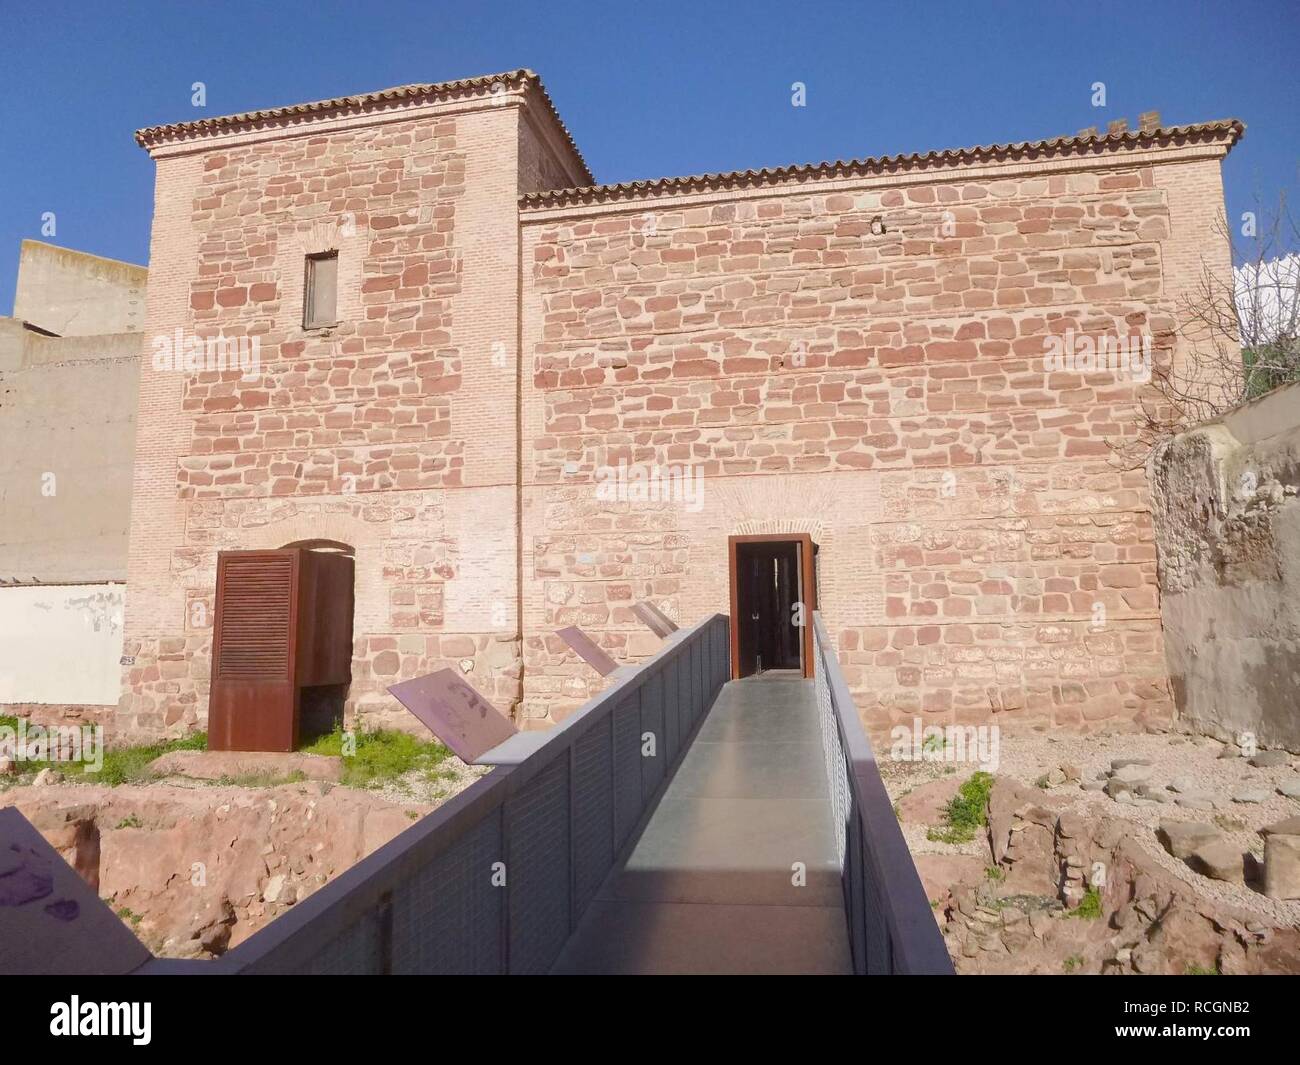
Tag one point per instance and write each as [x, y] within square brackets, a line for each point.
[67, 436]
[1228, 529]
[61, 644]
[67, 441]
[73, 293]
[22, 348]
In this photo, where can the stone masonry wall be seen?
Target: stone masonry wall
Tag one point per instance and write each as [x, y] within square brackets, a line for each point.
[980, 550]
[856, 357]
[393, 432]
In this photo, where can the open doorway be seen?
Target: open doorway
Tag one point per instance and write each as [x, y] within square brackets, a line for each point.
[321, 702]
[773, 595]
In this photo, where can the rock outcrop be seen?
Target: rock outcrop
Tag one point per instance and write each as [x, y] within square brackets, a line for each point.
[1076, 893]
[196, 870]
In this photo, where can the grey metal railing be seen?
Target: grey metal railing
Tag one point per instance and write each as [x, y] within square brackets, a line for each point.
[891, 925]
[497, 879]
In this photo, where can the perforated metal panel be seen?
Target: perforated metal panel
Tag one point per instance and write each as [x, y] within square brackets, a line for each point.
[355, 951]
[537, 839]
[721, 657]
[685, 718]
[697, 677]
[652, 721]
[874, 936]
[837, 774]
[593, 813]
[447, 916]
[627, 768]
[672, 727]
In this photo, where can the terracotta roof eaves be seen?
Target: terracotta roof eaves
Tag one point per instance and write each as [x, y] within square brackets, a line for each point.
[1231, 129]
[179, 132]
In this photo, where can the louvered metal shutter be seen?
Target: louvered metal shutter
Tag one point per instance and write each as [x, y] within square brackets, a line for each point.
[254, 701]
[255, 608]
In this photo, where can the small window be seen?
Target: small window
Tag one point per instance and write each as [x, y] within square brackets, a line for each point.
[320, 294]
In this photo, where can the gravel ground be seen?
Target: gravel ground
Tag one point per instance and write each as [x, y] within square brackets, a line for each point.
[1027, 755]
[431, 788]
[450, 778]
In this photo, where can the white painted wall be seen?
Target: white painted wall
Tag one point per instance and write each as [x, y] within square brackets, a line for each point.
[61, 644]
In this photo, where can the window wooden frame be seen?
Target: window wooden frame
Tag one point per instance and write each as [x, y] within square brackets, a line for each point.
[320, 291]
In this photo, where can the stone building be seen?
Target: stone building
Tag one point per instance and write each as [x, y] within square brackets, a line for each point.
[523, 400]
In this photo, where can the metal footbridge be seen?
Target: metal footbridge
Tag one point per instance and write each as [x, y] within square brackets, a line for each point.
[678, 822]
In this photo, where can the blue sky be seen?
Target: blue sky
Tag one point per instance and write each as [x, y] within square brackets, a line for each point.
[648, 89]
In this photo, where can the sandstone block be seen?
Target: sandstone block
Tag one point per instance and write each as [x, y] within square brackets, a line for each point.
[1219, 860]
[1282, 865]
[1180, 838]
[1251, 795]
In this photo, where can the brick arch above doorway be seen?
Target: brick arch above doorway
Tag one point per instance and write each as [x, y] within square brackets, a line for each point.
[778, 527]
[302, 530]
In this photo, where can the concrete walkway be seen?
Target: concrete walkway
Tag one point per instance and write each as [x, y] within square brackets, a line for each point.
[708, 886]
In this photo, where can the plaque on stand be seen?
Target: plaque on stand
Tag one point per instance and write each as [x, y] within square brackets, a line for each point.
[654, 619]
[587, 650]
[454, 712]
[52, 921]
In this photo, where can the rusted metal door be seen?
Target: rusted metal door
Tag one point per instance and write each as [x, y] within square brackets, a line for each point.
[283, 623]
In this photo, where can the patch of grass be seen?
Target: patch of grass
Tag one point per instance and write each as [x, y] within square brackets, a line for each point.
[1201, 970]
[1072, 962]
[995, 873]
[130, 821]
[1089, 909]
[9, 721]
[382, 756]
[413, 815]
[264, 779]
[933, 744]
[130, 765]
[967, 811]
[130, 916]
